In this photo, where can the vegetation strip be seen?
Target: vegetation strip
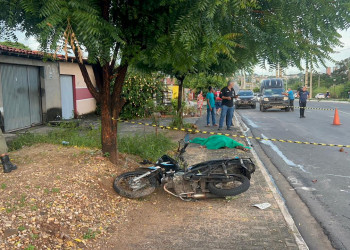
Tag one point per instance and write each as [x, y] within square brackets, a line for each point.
[195, 131]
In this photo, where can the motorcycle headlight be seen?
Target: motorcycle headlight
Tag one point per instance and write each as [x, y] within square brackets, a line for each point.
[266, 99]
[285, 98]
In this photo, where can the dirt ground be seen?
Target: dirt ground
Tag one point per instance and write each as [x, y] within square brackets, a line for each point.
[62, 198]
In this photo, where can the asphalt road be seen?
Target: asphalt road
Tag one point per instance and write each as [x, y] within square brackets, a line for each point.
[319, 174]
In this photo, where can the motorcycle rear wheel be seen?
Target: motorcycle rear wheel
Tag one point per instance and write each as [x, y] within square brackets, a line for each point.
[122, 186]
[236, 185]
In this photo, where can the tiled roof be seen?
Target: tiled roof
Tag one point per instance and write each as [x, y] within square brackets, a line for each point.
[34, 54]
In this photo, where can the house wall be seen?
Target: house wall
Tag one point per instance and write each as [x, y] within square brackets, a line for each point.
[85, 103]
[49, 82]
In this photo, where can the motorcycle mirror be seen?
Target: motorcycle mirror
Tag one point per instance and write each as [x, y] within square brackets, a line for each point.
[187, 138]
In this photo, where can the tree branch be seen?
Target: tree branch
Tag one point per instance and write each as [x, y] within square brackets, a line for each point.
[98, 75]
[87, 78]
[117, 98]
[114, 58]
[88, 82]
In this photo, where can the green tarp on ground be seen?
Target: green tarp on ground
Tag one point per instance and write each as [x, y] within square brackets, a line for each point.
[217, 141]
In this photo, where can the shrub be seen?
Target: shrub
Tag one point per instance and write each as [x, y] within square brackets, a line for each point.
[140, 92]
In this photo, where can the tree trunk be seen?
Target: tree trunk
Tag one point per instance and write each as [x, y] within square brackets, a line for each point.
[179, 98]
[108, 132]
[111, 104]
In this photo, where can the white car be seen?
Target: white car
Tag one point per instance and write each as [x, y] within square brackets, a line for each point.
[320, 96]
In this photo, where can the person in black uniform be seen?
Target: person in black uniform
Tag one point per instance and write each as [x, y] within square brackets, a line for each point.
[303, 96]
[5, 160]
[227, 95]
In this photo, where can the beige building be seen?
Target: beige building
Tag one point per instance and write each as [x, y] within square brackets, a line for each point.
[84, 103]
[34, 91]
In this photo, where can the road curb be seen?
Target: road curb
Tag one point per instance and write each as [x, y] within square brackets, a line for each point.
[282, 206]
[324, 101]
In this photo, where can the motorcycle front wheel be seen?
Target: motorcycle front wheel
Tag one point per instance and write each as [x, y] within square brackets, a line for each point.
[125, 186]
[235, 185]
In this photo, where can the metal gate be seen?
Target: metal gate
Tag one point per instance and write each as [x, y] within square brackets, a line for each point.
[67, 101]
[21, 96]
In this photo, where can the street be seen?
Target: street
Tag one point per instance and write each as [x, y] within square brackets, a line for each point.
[319, 174]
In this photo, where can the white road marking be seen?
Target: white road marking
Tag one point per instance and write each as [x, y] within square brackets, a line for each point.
[284, 158]
[337, 175]
[251, 123]
[344, 112]
[341, 190]
[304, 188]
[294, 180]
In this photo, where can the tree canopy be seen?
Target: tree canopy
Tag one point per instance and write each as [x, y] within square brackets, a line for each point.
[17, 45]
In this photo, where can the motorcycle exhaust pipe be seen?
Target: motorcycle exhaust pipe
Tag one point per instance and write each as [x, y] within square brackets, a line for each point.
[204, 196]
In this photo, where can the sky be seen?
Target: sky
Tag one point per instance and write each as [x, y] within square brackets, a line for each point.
[341, 53]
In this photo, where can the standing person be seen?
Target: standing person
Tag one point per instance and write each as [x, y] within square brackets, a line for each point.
[303, 95]
[227, 95]
[5, 160]
[328, 95]
[290, 95]
[190, 97]
[200, 103]
[218, 101]
[210, 107]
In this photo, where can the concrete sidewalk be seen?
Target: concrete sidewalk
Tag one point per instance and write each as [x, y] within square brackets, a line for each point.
[162, 221]
[263, 229]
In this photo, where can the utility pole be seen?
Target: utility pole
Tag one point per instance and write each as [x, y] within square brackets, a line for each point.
[243, 79]
[311, 80]
[306, 74]
[319, 80]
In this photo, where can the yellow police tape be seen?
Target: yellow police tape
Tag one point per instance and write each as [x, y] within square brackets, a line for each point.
[196, 131]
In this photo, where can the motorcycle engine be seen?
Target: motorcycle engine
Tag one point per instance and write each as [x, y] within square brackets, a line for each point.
[182, 186]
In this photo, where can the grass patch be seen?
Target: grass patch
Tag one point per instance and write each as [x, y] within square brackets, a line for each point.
[30, 247]
[3, 186]
[82, 137]
[21, 228]
[90, 234]
[55, 190]
[34, 236]
[22, 200]
[148, 146]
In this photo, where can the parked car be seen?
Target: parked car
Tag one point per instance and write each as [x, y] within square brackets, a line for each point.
[320, 96]
[245, 98]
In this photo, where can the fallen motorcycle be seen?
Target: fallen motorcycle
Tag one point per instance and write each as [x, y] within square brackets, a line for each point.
[209, 179]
